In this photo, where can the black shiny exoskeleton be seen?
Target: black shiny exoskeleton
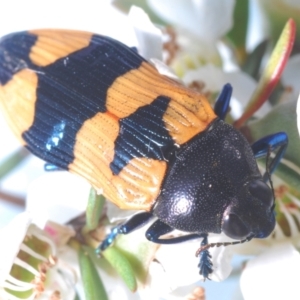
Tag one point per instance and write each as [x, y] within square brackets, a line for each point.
[209, 187]
[213, 185]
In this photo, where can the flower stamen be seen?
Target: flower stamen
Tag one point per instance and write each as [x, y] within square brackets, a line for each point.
[30, 267]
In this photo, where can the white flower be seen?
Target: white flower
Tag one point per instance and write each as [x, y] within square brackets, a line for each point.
[66, 199]
[273, 274]
[149, 36]
[16, 228]
[29, 267]
[207, 20]
[214, 78]
[291, 75]
[196, 31]
[274, 269]
[57, 196]
[184, 261]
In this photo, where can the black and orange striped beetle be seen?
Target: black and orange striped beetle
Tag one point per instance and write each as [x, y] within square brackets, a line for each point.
[93, 106]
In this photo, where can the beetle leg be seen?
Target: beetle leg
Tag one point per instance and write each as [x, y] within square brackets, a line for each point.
[134, 49]
[158, 228]
[274, 142]
[205, 265]
[132, 224]
[50, 167]
[222, 103]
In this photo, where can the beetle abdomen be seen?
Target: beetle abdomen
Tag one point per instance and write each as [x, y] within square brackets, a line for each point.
[93, 106]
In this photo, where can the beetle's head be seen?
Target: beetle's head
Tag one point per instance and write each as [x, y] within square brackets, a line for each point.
[253, 214]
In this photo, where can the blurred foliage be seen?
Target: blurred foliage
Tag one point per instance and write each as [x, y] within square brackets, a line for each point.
[238, 34]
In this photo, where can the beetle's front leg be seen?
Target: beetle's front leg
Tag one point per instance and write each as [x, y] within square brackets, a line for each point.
[132, 224]
[159, 228]
[274, 142]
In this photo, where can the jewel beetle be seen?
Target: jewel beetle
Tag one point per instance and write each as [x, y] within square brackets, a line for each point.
[90, 105]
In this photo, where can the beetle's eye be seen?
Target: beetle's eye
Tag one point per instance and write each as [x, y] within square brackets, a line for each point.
[234, 227]
[261, 191]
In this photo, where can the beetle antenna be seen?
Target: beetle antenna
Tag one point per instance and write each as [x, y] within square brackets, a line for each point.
[268, 170]
[211, 245]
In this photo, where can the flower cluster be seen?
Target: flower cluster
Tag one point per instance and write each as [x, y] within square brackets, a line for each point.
[48, 251]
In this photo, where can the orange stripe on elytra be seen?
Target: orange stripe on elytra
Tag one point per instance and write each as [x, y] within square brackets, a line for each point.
[108, 113]
[188, 112]
[17, 98]
[136, 186]
[55, 44]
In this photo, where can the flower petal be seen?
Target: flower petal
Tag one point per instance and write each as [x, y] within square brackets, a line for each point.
[116, 214]
[222, 263]
[58, 196]
[149, 37]
[291, 75]
[214, 78]
[12, 236]
[180, 259]
[165, 70]
[58, 283]
[60, 234]
[197, 16]
[93, 16]
[272, 275]
[177, 260]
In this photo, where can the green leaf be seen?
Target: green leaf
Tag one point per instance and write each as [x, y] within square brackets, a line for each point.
[94, 209]
[12, 161]
[238, 33]
[282, 117]
[139, 252]
[92, 284]
[76, 297]
[120, 263]
[271, 73]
